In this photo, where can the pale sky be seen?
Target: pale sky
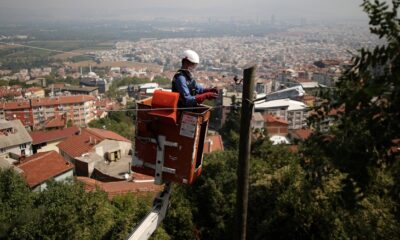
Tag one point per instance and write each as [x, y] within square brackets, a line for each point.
[20, 10]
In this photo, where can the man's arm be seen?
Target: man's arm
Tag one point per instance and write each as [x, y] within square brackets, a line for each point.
[199, 88]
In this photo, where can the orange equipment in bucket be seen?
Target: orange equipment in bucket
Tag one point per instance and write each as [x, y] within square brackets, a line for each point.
[169, 143]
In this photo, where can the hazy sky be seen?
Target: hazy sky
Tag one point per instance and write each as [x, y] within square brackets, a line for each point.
[22, 10]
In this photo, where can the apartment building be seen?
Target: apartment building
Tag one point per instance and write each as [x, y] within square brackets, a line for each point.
[294, 112]
[35, 113]
[79, 109]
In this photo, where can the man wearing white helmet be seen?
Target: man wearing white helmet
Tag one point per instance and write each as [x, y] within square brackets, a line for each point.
[183, 82]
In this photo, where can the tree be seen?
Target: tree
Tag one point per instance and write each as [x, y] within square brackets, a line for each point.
[230, 129]
[344, 183]
[66, 211]
[16, 204]
[119, 122]
[162, 80]
[369, 92]
[362, 142]
[129, 210]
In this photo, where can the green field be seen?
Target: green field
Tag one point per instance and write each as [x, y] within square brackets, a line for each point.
[15, 56]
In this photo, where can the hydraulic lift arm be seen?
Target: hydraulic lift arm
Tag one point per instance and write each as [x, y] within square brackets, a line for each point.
[150, 223]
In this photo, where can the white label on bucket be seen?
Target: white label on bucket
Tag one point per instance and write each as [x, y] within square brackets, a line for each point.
[188, 126]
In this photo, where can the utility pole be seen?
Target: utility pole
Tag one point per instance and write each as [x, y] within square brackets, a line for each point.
[244, 152]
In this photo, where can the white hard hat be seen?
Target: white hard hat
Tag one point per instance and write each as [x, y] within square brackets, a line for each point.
[192, 56]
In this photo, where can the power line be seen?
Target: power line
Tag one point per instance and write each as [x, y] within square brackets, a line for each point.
[125, 110]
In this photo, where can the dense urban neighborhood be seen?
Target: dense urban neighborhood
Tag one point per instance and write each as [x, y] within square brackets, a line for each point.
[80, 110]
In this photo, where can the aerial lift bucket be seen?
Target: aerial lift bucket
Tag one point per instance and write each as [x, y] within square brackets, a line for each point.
[169, 143]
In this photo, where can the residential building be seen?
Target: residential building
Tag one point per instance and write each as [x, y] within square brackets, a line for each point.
[36, 113]
[14, 139]
[98, 153]
[35, 92]
[59, 121]
[11, 92]
[257, 121]
[44, 141]
[19, 109]
[294, 112]
[275, 126]
[93, 80]
[73, 90]
[40, 167]
[292, 93]
[79, 109]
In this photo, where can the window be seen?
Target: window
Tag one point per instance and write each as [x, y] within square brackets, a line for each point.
[22, 146]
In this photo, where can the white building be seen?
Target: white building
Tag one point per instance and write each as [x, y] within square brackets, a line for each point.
[294, 112]
[14, 139]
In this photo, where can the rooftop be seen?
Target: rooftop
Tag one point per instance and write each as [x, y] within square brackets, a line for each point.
[13, 133]
[77, 145]
[290, 105]
[269, 118]
[213, 143]
[57, 121]
[140, 184]
[50, 101]
[78, 89]
[40, 167]
[42, 136]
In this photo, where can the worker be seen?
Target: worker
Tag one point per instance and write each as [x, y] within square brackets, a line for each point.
[191, 93]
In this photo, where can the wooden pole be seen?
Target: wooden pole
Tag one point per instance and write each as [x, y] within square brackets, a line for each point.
[244, 152]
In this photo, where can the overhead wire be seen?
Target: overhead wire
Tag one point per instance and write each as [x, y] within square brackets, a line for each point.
[123, 110]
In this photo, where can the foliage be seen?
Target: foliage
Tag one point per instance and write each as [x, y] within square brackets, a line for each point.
[15, 202]
[205, 209]
[230, 129]
[344, 183]
[119, 122]
[369, 93]
[66, 211]
[162, 81]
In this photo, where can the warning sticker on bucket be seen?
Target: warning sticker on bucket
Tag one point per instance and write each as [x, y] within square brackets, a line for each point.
[188, 126]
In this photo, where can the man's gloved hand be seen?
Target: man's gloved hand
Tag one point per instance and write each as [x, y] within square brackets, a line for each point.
[208, 95]
[214, 90]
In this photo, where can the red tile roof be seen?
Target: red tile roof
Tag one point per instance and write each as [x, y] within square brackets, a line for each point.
[42, 166]
[213, 143]
[120, 187]
[77, 145]
[42, 136]
[105, 134]
[269, 118]
[57, 121]
[51, 101]
[17, 105]
[34, 89]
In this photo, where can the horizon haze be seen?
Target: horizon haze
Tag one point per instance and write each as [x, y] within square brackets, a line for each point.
[17, 11]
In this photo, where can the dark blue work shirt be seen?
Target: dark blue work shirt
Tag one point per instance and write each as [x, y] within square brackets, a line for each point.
[186, 84]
